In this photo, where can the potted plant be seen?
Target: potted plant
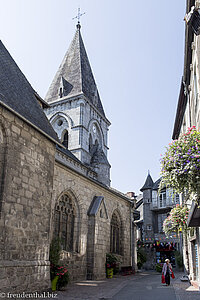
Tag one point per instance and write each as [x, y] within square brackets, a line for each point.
[111, 264]
[63, 277]
[59, 273]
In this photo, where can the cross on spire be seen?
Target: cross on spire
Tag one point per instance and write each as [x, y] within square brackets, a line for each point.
[79, 15]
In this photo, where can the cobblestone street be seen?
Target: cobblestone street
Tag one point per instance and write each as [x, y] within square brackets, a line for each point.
[142, 286]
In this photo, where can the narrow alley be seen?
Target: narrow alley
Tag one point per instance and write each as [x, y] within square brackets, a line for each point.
[142, 286]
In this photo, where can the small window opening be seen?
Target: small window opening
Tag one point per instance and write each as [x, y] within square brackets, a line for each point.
[96, 145]
[60, 122]
[90, 143]
[66, 139]
[61, 92]
[101, 213]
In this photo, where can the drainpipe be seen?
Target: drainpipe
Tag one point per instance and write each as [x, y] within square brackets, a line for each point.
[132, 200]
[133, 239]
[131, 234]
[185, 242]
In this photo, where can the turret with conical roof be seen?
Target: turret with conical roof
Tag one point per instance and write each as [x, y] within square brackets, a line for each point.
[147, 212]
[148, 183]
[76, 112]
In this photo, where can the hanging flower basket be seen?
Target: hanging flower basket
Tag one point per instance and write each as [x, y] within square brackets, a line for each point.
[177, 220]
[180, 165]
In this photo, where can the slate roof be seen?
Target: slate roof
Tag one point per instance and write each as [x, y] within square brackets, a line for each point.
[68, 153]
[156, 184]
[139, 201]
[17, 93]
[94, 206]
[75, 76]
[99, 157]
[148, 183]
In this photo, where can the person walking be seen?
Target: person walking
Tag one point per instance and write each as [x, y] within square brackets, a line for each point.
[167, 271]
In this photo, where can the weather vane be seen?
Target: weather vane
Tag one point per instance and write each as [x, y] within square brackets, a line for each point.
[79, 15]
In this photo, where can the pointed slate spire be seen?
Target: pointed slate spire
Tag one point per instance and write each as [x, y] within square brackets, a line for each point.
[75, 74]
[148, 183]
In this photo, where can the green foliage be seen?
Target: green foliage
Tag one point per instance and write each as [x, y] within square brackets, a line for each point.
[158, 268]
[179, 259]
[141, 257]
[180, 166]
[112, 261]
[177, 220]
[63, 274]
[55, 249]
[55, 268]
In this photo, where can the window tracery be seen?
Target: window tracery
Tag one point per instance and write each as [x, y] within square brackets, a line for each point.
[115, 234]
[64, 221]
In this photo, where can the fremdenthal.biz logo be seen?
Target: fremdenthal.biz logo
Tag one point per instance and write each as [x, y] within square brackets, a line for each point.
[23, 295]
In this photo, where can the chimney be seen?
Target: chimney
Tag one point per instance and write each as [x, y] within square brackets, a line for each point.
[130, 194]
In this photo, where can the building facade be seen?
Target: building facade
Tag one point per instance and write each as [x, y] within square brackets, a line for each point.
[188, 115]
[155, 208]
[55, 177]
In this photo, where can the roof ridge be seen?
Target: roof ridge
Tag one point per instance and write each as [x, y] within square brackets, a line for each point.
[19, 95]
[80, 37]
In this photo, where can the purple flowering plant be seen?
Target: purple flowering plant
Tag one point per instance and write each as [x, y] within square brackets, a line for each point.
[177, 220]
[180, 165]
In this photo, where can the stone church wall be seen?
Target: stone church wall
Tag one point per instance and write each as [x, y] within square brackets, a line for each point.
[94, 232]
[26, 179]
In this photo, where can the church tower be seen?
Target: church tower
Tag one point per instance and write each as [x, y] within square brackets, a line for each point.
[76, 112]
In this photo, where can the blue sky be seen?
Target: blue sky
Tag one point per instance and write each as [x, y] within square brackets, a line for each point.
[136, 52]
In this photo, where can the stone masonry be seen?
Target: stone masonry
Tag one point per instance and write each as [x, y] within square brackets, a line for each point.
[94, 231]
[76, 110]
[57, 188]
[27, 167]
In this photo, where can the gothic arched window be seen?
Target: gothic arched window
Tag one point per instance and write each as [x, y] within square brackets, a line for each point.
[66, 139]
[115, 234]
[64, 222]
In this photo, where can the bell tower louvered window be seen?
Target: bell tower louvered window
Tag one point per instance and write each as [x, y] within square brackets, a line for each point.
[66, 139]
